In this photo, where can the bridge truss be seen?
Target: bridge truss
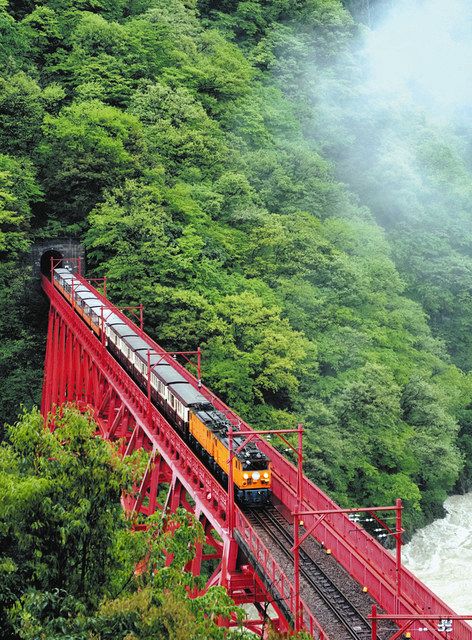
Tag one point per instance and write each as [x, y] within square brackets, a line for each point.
[80, 370]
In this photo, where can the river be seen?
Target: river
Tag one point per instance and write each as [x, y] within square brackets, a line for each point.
[441, 554]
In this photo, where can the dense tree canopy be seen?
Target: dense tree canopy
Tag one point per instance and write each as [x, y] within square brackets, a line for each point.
[202, 152]
[68, 559]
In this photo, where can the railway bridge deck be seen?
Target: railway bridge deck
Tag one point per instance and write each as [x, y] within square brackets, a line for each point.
[252, 558]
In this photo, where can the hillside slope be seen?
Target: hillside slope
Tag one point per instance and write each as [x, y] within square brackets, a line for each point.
[172, 139]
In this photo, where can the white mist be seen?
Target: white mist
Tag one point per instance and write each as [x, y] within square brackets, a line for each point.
[422, 52]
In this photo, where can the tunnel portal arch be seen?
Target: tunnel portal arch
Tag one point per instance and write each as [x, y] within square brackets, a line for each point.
[68, 250]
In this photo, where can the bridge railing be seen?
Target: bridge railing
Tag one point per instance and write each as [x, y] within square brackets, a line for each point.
[358, 552]
[366, 560]
[280, 583]
[158, 431]
[196, 478]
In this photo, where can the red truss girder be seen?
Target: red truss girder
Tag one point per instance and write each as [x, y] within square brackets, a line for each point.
[79, 369]
[360, 554]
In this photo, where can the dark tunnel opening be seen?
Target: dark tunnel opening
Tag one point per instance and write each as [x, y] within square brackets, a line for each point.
[46, 261]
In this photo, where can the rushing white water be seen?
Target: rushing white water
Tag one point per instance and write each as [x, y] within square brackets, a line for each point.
[441, 554]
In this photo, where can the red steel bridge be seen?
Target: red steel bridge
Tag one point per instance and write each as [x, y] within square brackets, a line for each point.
[341, 571]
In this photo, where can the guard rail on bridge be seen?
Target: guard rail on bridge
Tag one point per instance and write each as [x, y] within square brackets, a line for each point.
[79, 369]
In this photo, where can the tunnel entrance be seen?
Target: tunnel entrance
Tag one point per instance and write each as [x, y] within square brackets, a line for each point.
[46, 261]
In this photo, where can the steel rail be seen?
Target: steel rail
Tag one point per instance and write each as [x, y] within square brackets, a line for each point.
[313, 573]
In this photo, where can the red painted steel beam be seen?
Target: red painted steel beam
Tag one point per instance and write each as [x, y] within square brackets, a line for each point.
[362, 556]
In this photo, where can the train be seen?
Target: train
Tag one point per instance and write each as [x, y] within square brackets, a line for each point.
[190, 413]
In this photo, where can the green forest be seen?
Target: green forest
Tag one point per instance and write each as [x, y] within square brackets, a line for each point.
[221, 163]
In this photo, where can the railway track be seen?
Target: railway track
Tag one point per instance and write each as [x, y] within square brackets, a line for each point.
[352, 620]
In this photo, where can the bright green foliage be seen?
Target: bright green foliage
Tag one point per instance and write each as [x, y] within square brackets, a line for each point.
[60, 507]
[134, 236]
[42, 32]
[257, 344]
[433, 447]
[88, 147]
[20, 353]
[68, 562]
[12, 43]
[21, 113]
[18, 188]
[155, 605]
[324, 21]
[223, 74]
[178, 131]
[212, 158]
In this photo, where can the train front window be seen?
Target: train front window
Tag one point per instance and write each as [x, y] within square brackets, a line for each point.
[255, 465]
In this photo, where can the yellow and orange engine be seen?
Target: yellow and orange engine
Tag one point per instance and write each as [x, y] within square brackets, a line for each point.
[251, 468]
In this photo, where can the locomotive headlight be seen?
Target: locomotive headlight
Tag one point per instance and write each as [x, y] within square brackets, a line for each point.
[256, 475]
[266, 475]
[246, 476]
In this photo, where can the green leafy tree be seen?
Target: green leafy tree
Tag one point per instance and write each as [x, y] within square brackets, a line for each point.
[434, 446]
[369, 414]
[224, 164]
[21, 113]
[43, 33]
[20, 352]
[179, 133]
[69, 561]
[13, 46]
[88, 147]
[60, 508]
